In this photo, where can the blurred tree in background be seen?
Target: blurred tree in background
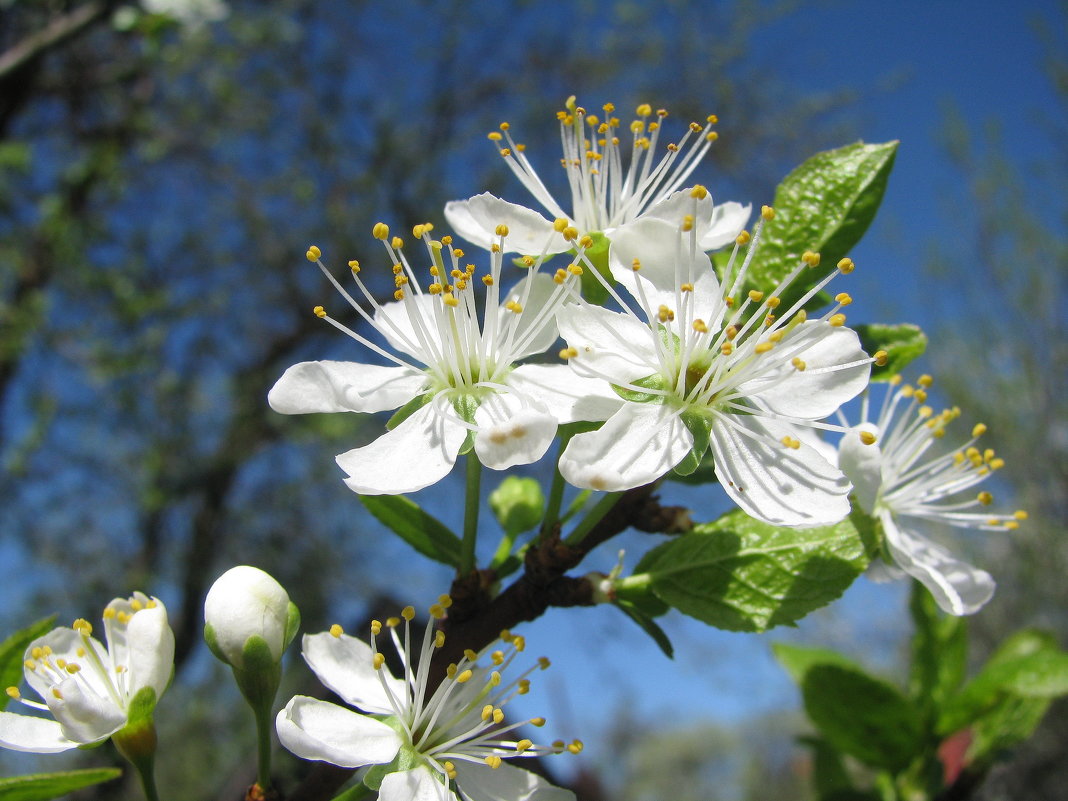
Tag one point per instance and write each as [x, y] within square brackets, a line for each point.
[160, 178]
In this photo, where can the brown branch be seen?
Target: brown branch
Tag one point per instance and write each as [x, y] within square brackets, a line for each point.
[55, 33]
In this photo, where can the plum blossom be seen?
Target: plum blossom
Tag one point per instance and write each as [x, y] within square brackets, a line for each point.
[898, 482]
[453, 375]
[699, 366]
[88, 688]
[430, 743]
[609, 189]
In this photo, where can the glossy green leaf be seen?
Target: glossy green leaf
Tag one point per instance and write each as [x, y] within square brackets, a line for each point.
[902, 343]
[798, 660]
[43, 786]
[13, 652]
[648, 625]
[744, 575]
[825, 205]
[863, 716]
[419, 529]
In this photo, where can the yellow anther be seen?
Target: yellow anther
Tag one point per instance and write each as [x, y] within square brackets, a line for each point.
[644, 110]
[867, 437]
[790, 442]
[109, 613]
[769, 320]
[543, 662]
[1011, 525]
[450, 300]
[773, 303]
[570, 233]
[418, 231]
[314, 254]
[470, 655]
[435, 288]
[495, 679]
[694, 127]
[700, 327]
[925, 412]
[538, 722]
[506, 152]
[505, 636]
[450, 671]
[392, 622]
[925, 381]
[397, 243]
[661, 112]
[732, 331]
[843, 298]
[439, 639]
[711, 136]
[354, 266]
[82, 626]
[498, 716]
[464, 677]
[810, 258]
[504, 126]
[487, 711]
[519, 643]
[586, 242]
[450, 769]
[636, 264]
[979, 429]
[493, 136]
[380, 231]
[743, 238]
[523, 686]
[13, 692]
[574, 269]
[72, 667]
[687, 222]
[559, 745]
[764, 347]
[57, 693]
[497, 657]
[798, 363]
[523, 745]
[575, 747]
[398, 295]
[1020, 514]
[756, 295]
[501, 230]
[336, 631]
[699, 191]
[881, 358]
[921, 396]
[493, 761]
[988, 454]
[376, 627]
[378, 660]
[908, 391]
[837, 320]
[996, 464]
[568, 353]
[767, 212]
[559, 224]
[846, 266]
[318, 311]
[686, 287]
[985, 498]
[408, 613]
[726, 348]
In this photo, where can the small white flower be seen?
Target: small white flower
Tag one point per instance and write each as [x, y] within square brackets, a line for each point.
[698, 368]
[86, 687]
[245, 602]
[452, 739]
[895, 483]
[609, 189]
[193, 13]
[454, 375]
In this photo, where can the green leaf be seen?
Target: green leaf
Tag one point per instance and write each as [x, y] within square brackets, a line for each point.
[862, 716]
[518, 504]
[422, 531]
[648, 625]
[43, 786]
[798, 660]
[902, 343]
[825, 205]
[741, 574]
[408, 409]
[592, 289]
[829, 776]
[654, 381]
[939, 652]
[1026, 666]
[13, 653]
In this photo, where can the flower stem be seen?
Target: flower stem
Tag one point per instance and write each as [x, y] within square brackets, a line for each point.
[556, 491]
[264, 728]
[471, 507]
[593, 517]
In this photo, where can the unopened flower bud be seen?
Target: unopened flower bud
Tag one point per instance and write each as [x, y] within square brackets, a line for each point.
[245, 603]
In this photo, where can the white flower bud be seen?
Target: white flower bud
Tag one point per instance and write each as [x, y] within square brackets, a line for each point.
[242, 603]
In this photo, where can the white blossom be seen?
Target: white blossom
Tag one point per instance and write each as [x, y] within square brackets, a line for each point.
[245, 602]
[700, 366]
[453, 375]
[434, 742]
[901, 483]
[614, 177]
[87, 688]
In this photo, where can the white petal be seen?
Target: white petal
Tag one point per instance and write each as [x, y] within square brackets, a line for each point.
[417, 453]
[150, 650]
[567, 396]
[345, 665]
[675, 207]
[638, 444]
[727, 221]
[819, 389]
[505, 783]
[529, 233]
[64, 643]
[664, 256]
[957, 587]
[319, 730]
[33, 735]
[512, 430]
[772, 482]
[399, 320]
[862, 464]
[608, 343]
[328, 386]
[84, 716]
[534, 293]
[420, 784]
